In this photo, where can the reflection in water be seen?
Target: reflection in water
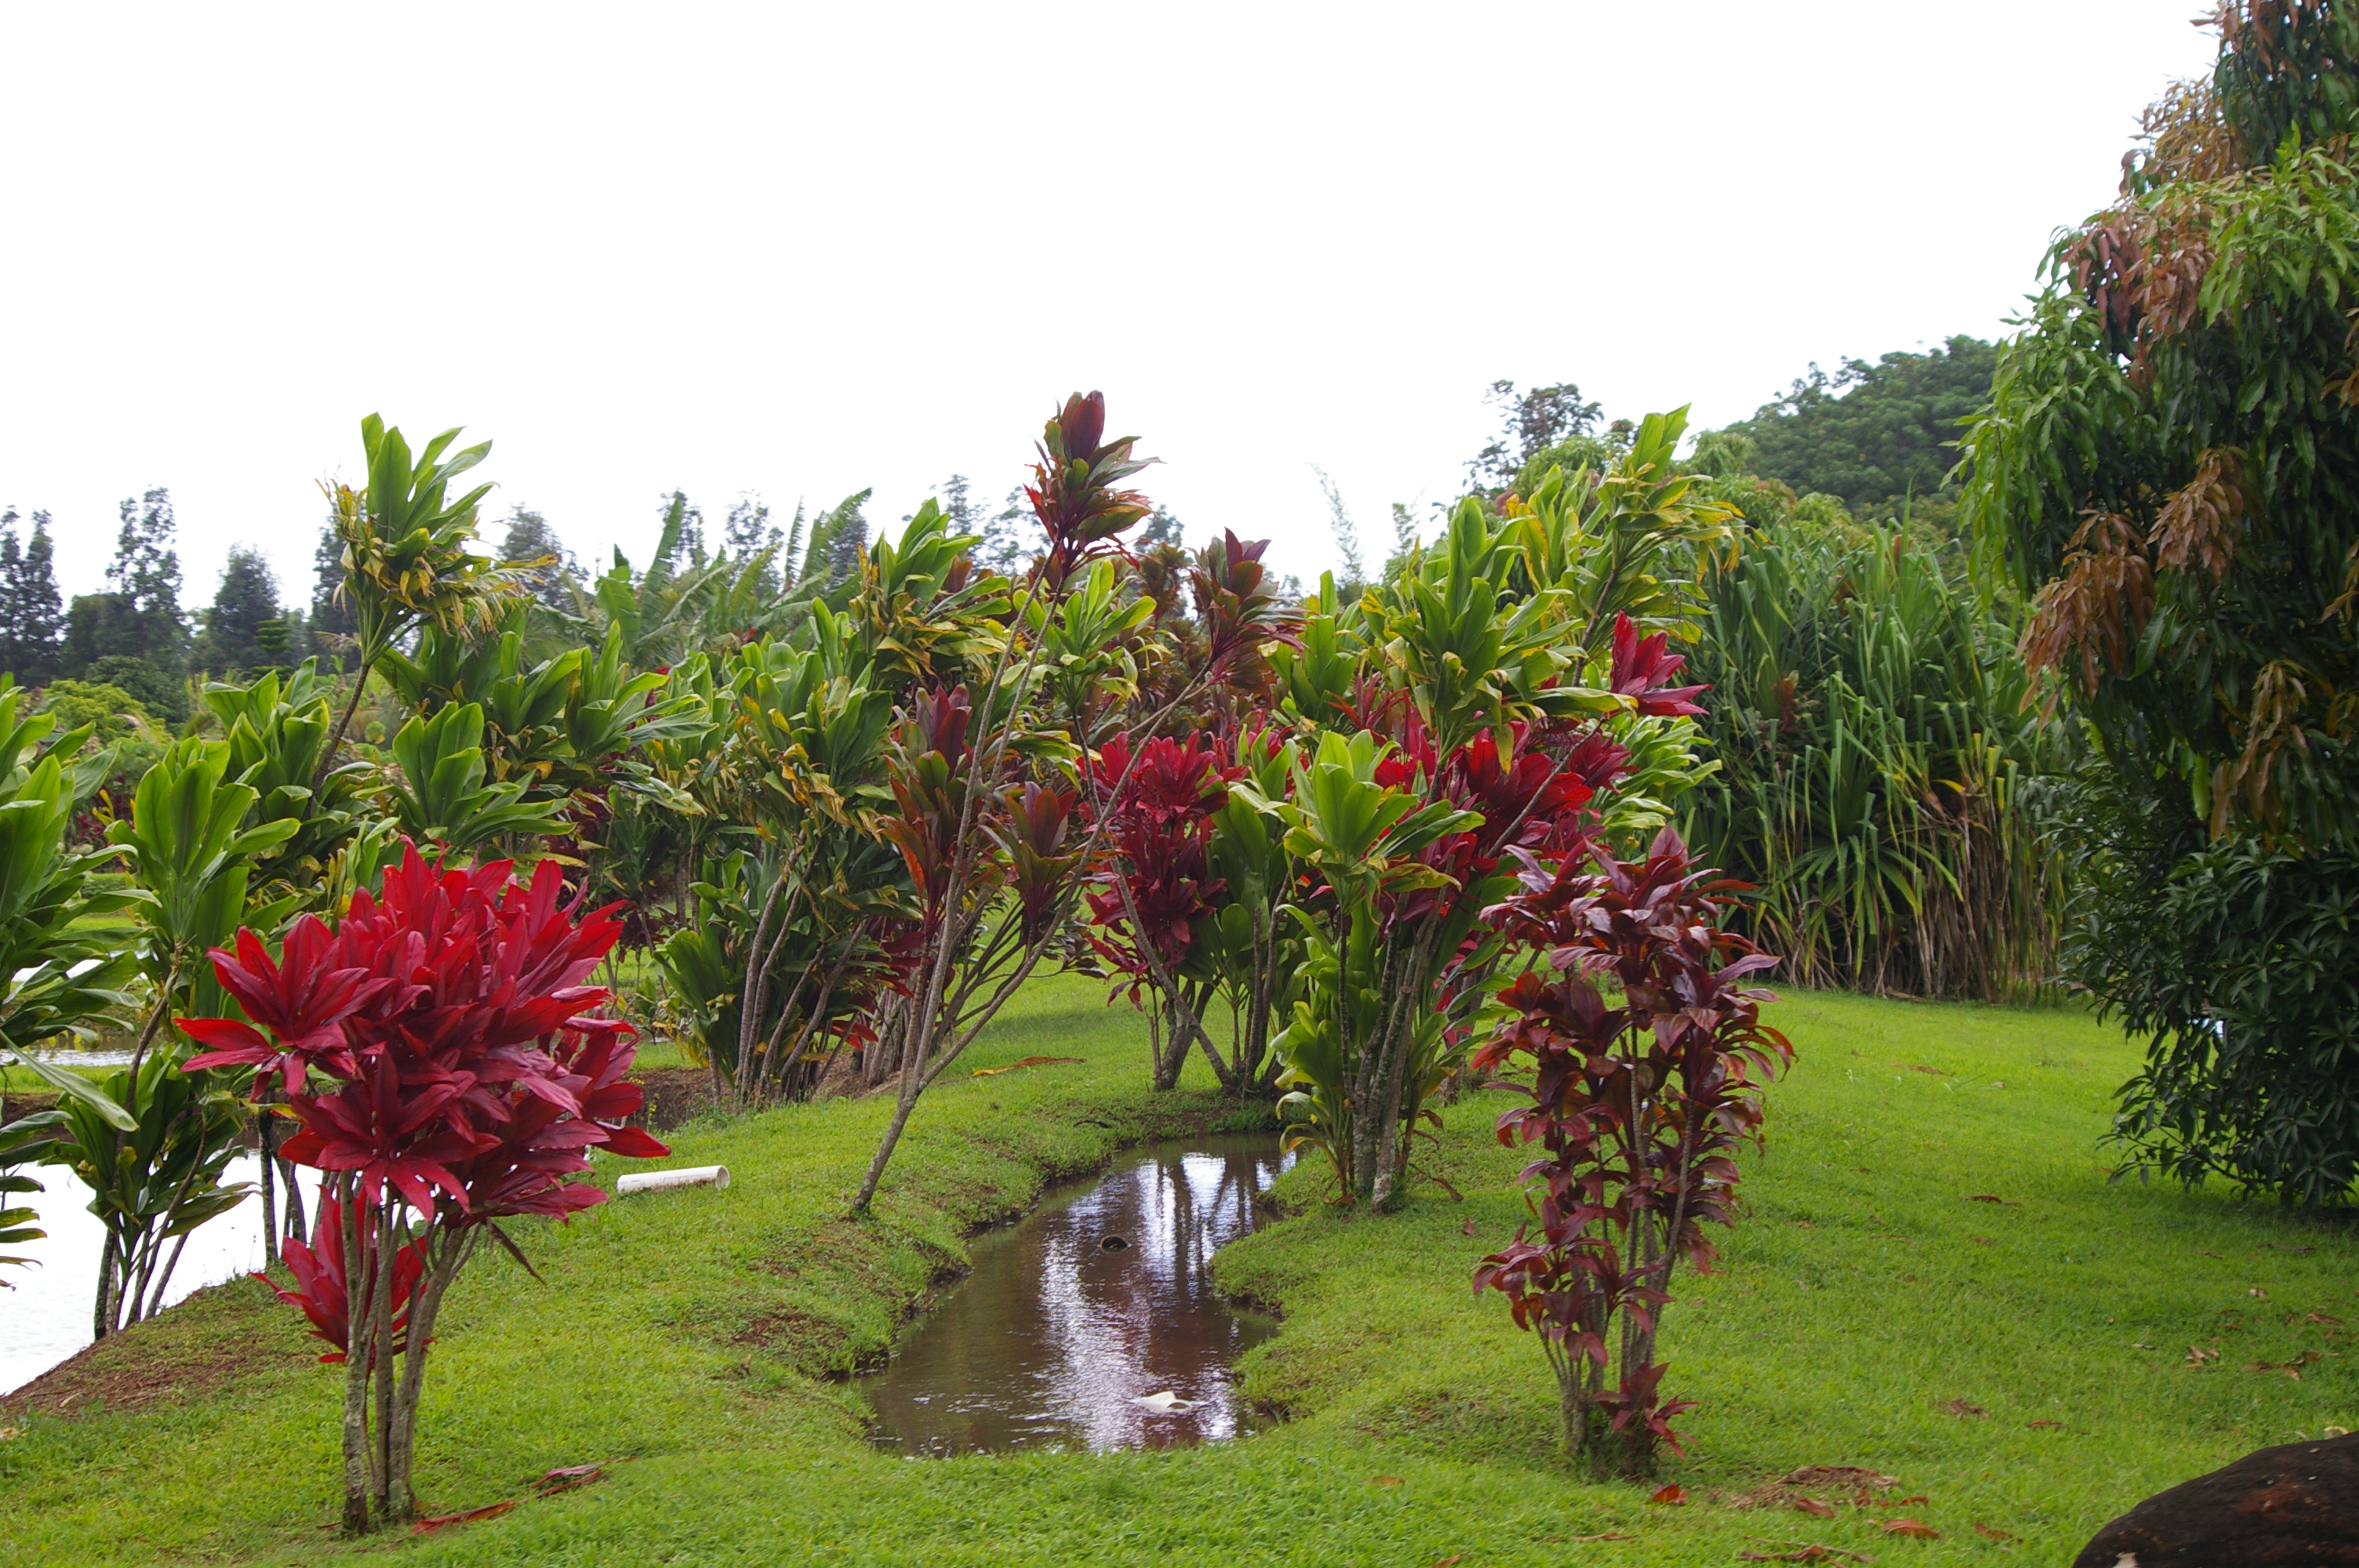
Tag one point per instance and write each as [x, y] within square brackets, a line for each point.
[1055, 1338]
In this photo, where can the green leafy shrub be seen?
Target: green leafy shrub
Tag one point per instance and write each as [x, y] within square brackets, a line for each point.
[111, 713]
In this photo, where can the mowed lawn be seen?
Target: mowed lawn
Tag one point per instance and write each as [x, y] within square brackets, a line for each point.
[1935, 1280]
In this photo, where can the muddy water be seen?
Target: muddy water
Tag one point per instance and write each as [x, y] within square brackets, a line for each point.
[1056, 1336]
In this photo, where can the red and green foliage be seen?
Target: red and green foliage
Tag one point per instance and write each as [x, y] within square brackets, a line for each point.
[324, 1288]
[1640, 1103]
[984, 818]
[1159, 884]
[448, 1070]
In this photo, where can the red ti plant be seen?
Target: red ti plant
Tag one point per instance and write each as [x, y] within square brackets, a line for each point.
[1640, 1107]
[1159, 807]
[324, 1287]
[448, 1070]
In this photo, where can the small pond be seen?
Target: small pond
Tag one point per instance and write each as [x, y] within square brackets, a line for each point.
[1060, 1338]
[45, 1317]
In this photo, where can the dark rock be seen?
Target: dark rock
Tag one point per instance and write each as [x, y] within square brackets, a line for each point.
[2297, 1504]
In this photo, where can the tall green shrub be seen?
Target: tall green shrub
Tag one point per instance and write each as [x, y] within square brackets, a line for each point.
[2171, 465]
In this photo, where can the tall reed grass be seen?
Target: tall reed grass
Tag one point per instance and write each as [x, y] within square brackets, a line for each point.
[1882, 776]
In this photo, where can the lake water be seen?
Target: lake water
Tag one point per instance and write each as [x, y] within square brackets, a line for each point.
[1056, 1336]
[46, 1318]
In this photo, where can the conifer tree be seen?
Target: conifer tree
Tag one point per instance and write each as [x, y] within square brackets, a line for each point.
[530, 538]
[234, 641]
[31, 621]
[138, 615]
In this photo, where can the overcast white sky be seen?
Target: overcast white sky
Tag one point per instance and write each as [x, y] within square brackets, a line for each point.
[804, 249]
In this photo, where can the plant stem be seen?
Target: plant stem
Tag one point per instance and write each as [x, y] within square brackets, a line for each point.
[357, 1337]
[266, 1140]
[336, 740]
[381, 1322]
[101, 1318]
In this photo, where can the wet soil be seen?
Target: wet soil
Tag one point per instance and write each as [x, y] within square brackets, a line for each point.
[674, 1094]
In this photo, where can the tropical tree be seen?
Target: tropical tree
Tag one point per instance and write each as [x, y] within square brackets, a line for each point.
[190, 856]
[984, 768]
[1496, 693]
[2170, 466]
[1878, 436]
[408, 561]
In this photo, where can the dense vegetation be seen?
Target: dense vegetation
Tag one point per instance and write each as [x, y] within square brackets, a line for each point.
[1506, 826]
[1868, 1313]
[2169, 464]
[851, 812]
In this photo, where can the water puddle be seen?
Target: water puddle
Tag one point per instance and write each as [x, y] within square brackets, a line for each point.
[1093, 1325]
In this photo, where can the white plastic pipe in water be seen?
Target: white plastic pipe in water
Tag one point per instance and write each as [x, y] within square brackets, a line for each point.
[657, 1181]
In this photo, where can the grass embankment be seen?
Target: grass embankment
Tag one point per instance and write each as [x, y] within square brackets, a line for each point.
[1873, 1311]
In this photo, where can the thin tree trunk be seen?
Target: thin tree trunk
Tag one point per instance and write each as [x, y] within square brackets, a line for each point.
[148, 1035]
[359, 1336]
[906, 1102]
[101, 1315]
[328, 757]
[381, 1315]
[455, 1250]
[156, 1301]
[1392, 1133]
[296, 1228]
[1369, 1070]
[265, 1140]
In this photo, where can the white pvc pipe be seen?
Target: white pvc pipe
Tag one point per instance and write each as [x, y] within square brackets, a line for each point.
[687, 1176]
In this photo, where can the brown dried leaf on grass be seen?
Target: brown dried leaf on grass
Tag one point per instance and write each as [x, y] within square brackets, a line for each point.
[1027, 1062]
[1992, 1197]
[1962, 1409]
[1989, 1533]
[2290, 1368]
[1810, 1552]
[489, 1510]
[2044, 1425]
[1915, 1527]
[1795, 1489]
[572, 1475]
[1671, 1496]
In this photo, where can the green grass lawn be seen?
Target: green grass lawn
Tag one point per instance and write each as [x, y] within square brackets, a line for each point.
[1866, 1290]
